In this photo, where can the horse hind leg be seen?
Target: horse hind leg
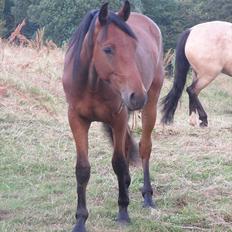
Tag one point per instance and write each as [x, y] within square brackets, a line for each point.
[194, 102]
[192, 105]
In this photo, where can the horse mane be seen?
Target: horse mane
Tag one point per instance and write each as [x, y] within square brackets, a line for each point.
[88, 25]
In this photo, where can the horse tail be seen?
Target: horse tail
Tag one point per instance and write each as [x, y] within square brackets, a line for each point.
[132, 149]
[182, 65]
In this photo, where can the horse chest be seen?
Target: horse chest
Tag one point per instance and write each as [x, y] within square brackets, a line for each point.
[96, 109]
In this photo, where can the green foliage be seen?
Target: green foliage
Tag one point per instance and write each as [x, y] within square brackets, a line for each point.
[6, 18]
[19, 10]
[165, 14]
[2, 22]
[61, 17]
[217, 10]
[2, 5]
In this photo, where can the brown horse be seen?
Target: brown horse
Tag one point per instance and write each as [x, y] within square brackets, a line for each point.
[112, 66]
[207, 47]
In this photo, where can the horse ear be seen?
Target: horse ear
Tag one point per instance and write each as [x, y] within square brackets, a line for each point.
[124, 12]
[103, 14]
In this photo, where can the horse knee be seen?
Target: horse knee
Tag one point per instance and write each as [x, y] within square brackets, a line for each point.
[192, 98]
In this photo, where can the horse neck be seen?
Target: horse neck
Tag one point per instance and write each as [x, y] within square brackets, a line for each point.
[84, 67]
[93, 80]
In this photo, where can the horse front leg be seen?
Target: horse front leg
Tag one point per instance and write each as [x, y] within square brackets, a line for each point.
[121, 167]
[80, 129]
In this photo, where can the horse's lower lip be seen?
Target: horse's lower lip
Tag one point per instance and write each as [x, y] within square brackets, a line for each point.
[133, 108]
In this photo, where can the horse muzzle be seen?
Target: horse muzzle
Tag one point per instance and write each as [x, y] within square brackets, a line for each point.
[135, 101]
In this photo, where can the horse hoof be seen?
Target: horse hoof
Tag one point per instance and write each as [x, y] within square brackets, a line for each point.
[79, 228]
[203, 124]
[148, 202]
[123, 218]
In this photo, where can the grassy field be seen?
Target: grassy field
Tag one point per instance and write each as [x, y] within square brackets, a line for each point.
[191, 168]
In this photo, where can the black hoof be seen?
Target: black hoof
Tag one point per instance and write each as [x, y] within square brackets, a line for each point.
[123, 218]
[148, 202]
[79, 228]
[80, 225]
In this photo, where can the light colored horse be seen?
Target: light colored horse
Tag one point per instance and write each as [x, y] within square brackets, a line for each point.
[207, 48]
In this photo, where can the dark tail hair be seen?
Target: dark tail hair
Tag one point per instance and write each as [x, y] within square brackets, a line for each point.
[132, 146]
[170, 101]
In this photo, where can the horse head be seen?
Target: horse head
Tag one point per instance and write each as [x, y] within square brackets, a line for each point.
[114, 55]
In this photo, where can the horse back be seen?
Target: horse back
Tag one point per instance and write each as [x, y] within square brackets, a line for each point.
[209, 47]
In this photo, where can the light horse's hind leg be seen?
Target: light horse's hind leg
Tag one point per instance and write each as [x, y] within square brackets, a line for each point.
[80, 129]
[192, 105]
[199, 83]
[148, 122]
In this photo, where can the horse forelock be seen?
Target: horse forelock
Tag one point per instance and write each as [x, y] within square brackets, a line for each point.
[120, 23]
[87, 25]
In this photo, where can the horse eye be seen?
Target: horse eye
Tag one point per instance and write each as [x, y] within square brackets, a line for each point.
[108, 50]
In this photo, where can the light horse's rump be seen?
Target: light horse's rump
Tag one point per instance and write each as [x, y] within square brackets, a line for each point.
[207, 48]
[111, 66]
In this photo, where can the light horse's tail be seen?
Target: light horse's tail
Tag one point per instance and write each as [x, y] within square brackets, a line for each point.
[170, 101]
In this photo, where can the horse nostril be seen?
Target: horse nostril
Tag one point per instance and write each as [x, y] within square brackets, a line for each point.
[137, 101]
[133, 99]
